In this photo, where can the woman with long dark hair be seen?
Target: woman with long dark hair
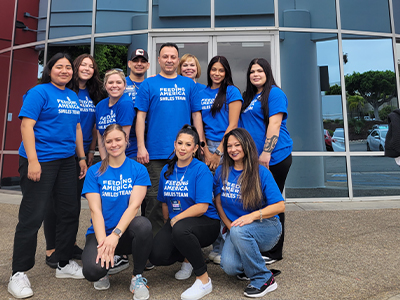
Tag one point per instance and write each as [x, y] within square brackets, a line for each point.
[115, 189]
[221, 102]
[51, 135]
[248, 201]
[264, 116]
[87, 85]
[191, 220]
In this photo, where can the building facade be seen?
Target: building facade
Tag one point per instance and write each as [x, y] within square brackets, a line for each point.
[318, 51]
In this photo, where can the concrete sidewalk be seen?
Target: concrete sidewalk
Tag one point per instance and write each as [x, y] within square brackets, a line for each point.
[333, 250]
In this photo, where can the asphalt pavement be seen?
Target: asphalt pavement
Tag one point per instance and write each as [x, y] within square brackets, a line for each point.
[333, 250]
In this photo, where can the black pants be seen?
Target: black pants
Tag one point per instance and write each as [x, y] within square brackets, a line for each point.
[280, 171]
[136, 240]
[58, 178]
[50, 218]
[185, 240]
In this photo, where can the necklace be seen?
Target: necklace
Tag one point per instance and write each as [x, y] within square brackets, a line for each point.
[136, 87]
[179, 182]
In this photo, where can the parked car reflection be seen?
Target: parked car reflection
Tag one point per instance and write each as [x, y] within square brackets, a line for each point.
[376, 139]
[338, 140]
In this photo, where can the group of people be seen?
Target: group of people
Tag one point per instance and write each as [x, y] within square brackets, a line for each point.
[183, 165]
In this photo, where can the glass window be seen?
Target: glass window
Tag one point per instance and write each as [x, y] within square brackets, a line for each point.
[307, 13]
[4, 83]
[317, 177]
[370, 85]
[366, 15]
[236, 13]
[311, 81]
[197, 49]
[70, 18]
[239, 55]
[396, 15]
[7, 23]
[178, 14]
[112, 52]
[131, 15]
[73, 47]
[24, 75]
[31, 22]
[374, 176]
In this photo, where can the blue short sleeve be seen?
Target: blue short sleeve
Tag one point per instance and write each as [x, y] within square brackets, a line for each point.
[142, 101]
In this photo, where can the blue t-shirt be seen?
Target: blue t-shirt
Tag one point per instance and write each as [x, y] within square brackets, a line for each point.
[114, 187]
[215, 127]
[230, 193]
[121, 113]
[132, 89]
[88, 117]
[187, 186]
[57, 114]
[252, 119]
[200, 86]
[168, 104]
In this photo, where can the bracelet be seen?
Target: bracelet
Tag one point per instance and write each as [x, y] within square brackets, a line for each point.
[82, 158]
[260, 216]
[92, 151]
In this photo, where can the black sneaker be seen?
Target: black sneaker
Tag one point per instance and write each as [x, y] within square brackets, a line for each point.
[52, 261]
[254, 292]
[77, 253]
[242, 276]
[149, 266]
[120, 264]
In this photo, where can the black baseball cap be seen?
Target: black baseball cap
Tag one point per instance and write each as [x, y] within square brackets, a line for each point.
[140, 53]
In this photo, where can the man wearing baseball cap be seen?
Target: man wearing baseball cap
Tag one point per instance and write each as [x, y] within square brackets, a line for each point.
[138, 65]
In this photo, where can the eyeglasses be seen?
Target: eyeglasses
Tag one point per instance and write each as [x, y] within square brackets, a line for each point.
[115, 69]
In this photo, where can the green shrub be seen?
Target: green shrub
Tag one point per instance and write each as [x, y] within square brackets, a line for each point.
[383, 113]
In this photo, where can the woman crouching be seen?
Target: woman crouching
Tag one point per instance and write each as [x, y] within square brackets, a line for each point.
[115, 189]
[248, 201]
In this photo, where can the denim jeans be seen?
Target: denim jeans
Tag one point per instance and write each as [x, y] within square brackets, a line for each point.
[241, 252]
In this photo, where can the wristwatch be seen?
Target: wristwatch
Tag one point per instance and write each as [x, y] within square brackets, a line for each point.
[218, 152]
[82, 158]
[117, 231]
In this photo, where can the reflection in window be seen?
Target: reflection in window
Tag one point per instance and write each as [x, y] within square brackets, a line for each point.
[375, 176]
[317, 177]
[370, 85]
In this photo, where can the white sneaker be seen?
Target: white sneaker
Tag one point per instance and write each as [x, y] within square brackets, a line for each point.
[197, 290]
[71, 270]
[19, 286]
[103, 283]
[185, 272]
[212, 255]
[139, 288]
[217, 259]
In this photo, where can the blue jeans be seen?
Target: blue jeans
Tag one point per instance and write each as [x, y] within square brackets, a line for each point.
[241, 252]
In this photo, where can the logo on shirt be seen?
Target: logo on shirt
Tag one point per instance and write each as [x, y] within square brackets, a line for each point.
[131, 91]
[173, 94]
[206, 103]
[107, 120]
[174, 188]
[87, 105]
[115, 188]
[231, 190]
[251, 106]
[68, 107]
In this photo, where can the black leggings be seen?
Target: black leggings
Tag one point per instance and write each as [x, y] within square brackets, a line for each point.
[136, 240]
[185, 240]
[279, 171]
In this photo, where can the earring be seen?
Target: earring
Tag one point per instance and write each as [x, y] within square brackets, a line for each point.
[194, 153]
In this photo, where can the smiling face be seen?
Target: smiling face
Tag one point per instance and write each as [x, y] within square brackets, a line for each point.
[235, 150]
[168, 60]
[115, 86]
[258, 77]
[86, 69]
[217, 75]
[61, 73]
[189, 68]
[185, 147]
[115, 142]
[138, 66]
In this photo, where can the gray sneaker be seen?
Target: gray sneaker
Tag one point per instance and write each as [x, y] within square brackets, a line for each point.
[102, 283]
[139, 288]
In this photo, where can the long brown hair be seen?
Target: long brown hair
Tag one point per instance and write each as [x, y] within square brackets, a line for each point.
[249, 180]
[106, 161]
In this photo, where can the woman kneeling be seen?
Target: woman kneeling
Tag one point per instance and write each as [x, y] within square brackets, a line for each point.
[248, 201]
[192, 220]
[115, 189]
